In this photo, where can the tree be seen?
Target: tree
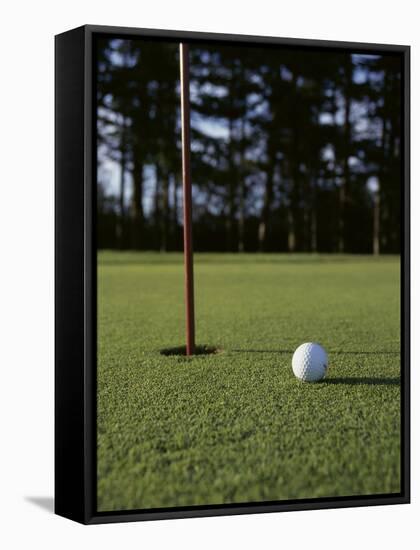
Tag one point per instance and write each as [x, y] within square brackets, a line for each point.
[284, 143]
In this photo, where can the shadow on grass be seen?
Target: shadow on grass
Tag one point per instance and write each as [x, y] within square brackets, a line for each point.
[199, 350]
[365, 352]
[367, 381]
[332, 352]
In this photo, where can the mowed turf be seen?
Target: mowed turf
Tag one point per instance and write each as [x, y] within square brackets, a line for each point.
[237, 426]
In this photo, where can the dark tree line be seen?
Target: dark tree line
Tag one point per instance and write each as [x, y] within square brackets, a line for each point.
[292, 150]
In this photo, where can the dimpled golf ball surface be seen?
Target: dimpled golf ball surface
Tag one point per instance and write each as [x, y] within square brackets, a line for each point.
[310, 362]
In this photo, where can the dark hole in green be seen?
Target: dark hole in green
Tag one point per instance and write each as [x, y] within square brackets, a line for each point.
[199, 350]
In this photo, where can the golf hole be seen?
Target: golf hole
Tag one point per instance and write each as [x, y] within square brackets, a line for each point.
[199, 350]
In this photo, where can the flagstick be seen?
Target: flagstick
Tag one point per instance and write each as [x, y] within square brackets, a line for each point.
[186, 185]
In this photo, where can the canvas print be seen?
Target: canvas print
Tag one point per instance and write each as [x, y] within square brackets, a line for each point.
[248, 335]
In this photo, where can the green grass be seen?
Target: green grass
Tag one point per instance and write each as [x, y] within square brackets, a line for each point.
[236, 426]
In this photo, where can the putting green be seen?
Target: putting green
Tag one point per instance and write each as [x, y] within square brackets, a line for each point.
[236, 426]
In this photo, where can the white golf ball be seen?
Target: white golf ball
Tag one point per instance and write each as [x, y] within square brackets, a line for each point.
[310, 362]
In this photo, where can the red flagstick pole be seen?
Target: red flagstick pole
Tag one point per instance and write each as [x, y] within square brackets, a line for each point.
[186, 184]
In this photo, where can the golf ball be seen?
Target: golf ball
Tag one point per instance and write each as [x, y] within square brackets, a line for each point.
[310, 362]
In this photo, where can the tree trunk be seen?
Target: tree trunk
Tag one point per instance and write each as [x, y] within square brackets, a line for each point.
[380, 208]
[341, 214]
[376, 222]
[241, 218]
[157, 207]
[295, 191]
[120, 218]
[291, 238]
[231, 190]
[313, 232]
[344, 188]
[175, 211]
[292, 214]
[137, 203]
[265, 212]
[314, 229]
[165, 214]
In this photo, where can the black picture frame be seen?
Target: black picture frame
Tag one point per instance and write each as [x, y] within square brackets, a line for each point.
[75, 280]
